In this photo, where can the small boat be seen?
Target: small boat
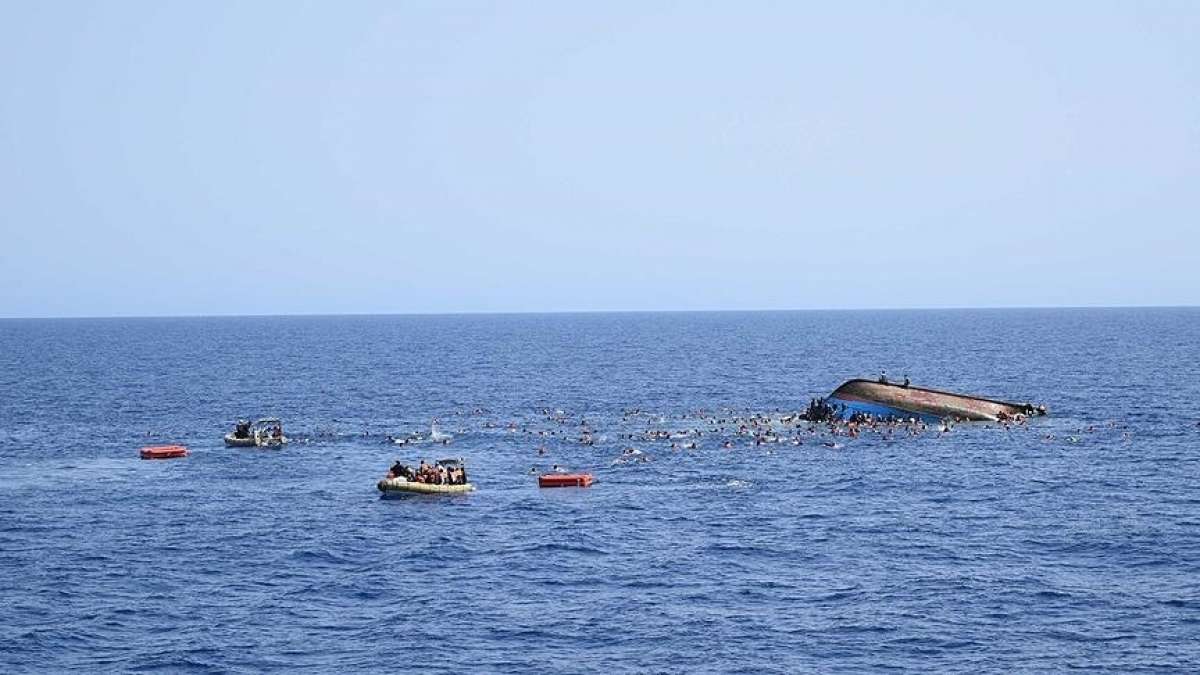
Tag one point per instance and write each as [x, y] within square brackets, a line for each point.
[264, 433]
[400, 485]
[242, 435]
[234, 441]
[395, 487]
[552, 480]
[885, 399]
[163, 452]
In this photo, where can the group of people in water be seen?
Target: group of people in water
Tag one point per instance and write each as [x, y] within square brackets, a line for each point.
[431, 474]
[820, 410]
[823, 423]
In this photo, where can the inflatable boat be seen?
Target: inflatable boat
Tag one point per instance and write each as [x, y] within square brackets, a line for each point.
[234, 441]
[398, 487]
[265, 433]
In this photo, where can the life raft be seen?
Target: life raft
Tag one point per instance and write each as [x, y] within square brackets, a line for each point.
[164, 452]
[549, 480]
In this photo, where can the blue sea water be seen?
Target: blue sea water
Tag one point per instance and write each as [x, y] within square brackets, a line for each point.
[1073, 543]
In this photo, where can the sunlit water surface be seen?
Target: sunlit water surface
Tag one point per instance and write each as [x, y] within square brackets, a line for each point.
[1073, 543]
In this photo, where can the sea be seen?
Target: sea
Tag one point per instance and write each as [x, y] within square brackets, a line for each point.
[1071, 542]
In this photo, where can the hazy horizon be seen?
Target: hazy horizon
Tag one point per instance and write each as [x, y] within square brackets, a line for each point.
[604, 311]
[374, 158]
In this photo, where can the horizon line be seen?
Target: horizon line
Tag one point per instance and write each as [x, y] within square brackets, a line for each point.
[581, 311]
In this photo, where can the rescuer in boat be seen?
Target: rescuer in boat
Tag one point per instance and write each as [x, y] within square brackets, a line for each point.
[404, 471]
[242, 430]
[430, 474]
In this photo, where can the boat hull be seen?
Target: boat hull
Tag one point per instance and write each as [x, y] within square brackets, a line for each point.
[894, 400]
[392, 488]
[235, 442]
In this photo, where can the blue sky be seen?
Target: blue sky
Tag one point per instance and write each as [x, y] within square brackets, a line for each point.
[288, 157]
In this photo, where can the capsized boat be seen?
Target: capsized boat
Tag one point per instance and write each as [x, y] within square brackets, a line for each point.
[887, 399]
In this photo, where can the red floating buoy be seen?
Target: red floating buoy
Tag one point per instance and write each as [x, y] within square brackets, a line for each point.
[548, 480]
[164, 452]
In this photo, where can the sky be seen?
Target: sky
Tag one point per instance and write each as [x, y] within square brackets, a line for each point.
[183, 158]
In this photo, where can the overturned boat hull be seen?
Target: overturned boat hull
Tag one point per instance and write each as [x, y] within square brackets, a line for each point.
[881, 399]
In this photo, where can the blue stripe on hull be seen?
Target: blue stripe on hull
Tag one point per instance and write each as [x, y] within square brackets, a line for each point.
[848, 408]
